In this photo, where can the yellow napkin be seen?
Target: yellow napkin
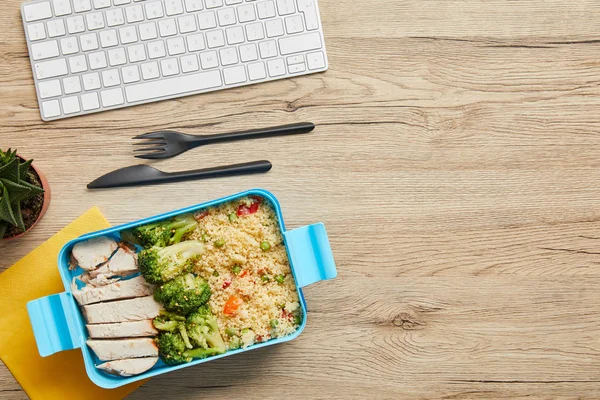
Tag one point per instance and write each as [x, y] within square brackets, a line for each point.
[62, 375]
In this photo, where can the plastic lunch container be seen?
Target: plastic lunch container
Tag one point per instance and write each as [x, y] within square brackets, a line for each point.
[59, 325]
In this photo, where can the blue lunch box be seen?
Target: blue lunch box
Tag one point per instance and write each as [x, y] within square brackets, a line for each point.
[58, 324]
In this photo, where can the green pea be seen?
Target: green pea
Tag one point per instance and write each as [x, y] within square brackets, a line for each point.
[245, 330]
[274, 323]
[265, 246]
[216, 273]
[233, 217]
[280, 279]
[236, 269]
[297, 320]
[231, 331]
[205, 237]
[265, 278]
[220, 242]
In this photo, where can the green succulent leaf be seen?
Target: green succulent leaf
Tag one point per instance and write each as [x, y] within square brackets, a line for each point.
[17, 192]
[7, 210]
[24, 168]
[3, 228]
[10, 171]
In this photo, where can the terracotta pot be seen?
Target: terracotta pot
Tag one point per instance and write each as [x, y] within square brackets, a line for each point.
[45, 205]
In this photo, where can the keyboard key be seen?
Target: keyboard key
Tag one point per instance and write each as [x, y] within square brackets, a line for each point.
[82, 5]
[75, 24]
[49, 89]
[248, 52]
[70, 105]
[56, 28]
[121, 2]
[187, 24]
[173, 86]
[316, 60]
[37, 11]
[195, 42]
[72, 84]
[255, 31]
[214, 3]
[294, 24]
[235, 35]
[36, 31]
[176, 46]
[128, 34]
[78, 64]
[150, 70]
[61, 7]
[232, 2]
[266, 9]
[115, 17]
[69, 45]
[276, 67]
[246, 13]
[156, 49]
[300, 43]
[89, 42]
[138, 52]
[98, 4]
[209, 59]
[134, 13]
[51, 109]
[169, 67]
[109, 38]
[51, 69]
[173, 7]
[148, 31]
[91, 81]
[226, 16]
[234, 75]
[257, 71]
[285, 7]
[112, 97]
[111, 78]
[154, 9]
[167, 27]
[309, 9]
[117, 57]
[296, 68]
[207, 20]
[295, 59]
[44, 50]
[130, 74]
[274, 28]
[189, 63]
[97, 60]
[193, 5]
[95, 21]
[268, 49]
[89, 101]
[228, 56]
[215, 39]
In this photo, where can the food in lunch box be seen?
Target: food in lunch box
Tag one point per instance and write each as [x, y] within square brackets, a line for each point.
[211, 281]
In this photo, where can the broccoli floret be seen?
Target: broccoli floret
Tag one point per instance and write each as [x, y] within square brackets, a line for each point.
[165, 325]
[159, 265]
[163, 233]
[183, 294]
[203, 330]
[171, 348]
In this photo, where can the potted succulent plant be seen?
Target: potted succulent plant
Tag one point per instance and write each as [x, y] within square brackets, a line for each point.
[24, 195]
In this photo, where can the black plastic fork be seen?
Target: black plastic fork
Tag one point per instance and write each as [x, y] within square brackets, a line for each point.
[166, 144]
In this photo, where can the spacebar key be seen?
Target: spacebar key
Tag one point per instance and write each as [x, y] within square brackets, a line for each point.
[173, 86]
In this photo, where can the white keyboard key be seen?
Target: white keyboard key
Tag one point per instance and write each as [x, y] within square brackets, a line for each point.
[49, 89]
[121, 2]
[248, 52]
[196, 42]
[274, 28]
[91, 81]
[130, 74]
[51, 108]
[266, 9]
[169, 67]
[167, 27]
[189, 63]
[128, 34]
[156, 49]
[174, 86]
[257, 71]
[138, 52]
[36, 31]
[56, 28]
[309, 9]
[72, 84]
[296, 68]
[295, 59]
[70, 105]
[276, 67]
[294, 24]
[173, 7]
[268, 49]
[235, 35]
[61, 7]
[226, 16]
[176, 46]
[187, 24]
[109, 38]
[154, 9]
[95, 21]
[228, 56]
[97, 60]
[89, 101]
[316, 60]
[232, 2]
[246, 13]
[148, 31]
[300, 43]
[51, 69]
[115, 17]
[207, 20]
[214, 3]
[150, 70]
[69, 45]
[44, 50]
[285, 7]
[82, 5]
[209, 59]
[193, 5]
[111, 78]
[134, 13]
[234, 75]
[78, 64]
[117, 57]
[255, 31]
[75, 24]
[215, 39]
[112, 97]
[89, 42]
[37, 11]
[98, 4]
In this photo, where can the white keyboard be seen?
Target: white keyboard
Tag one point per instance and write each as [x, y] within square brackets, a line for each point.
[95, 55]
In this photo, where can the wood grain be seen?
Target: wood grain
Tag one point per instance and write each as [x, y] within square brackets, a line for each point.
[455, 165]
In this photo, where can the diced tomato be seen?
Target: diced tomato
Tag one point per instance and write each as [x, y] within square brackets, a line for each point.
[245, 210]
[232, 305]
[226, 284]
[244, 273]
[200, 214]
[257, 199]
[259, 338]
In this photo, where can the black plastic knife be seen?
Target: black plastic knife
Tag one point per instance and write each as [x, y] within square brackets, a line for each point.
[139, 175]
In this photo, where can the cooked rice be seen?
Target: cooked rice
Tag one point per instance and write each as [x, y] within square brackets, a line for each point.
[263, 301]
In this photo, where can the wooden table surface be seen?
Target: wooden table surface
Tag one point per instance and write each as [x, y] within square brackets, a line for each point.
[455, 165]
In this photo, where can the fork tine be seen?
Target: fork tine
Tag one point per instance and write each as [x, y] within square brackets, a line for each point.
[151, 135]
[150, 143]
[152, 156]
[156, 149]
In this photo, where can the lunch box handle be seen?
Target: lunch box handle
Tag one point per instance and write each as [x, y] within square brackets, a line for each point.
[311, 254]
[53, 323]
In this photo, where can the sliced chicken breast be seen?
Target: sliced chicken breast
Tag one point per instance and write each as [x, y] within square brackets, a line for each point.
[121, 311]
[98, 281]
[129, 366]
[126, 289]
[93, 252]
[122, 263]
[107, 350]
[122, 330]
